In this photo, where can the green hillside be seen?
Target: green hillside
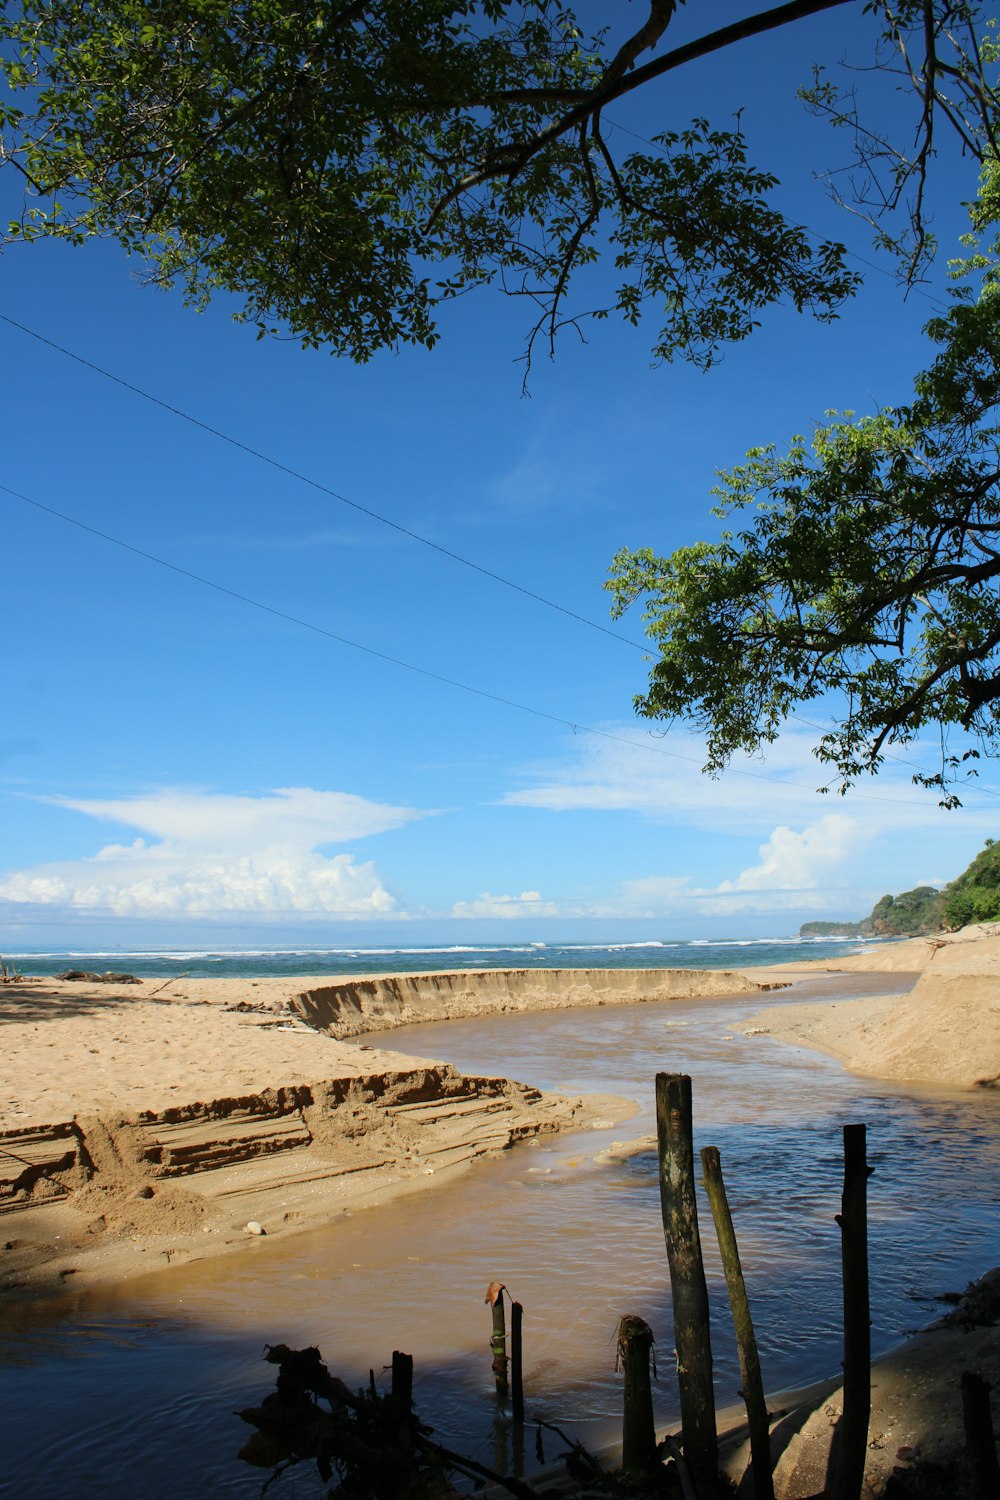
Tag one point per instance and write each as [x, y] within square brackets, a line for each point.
[973, 897]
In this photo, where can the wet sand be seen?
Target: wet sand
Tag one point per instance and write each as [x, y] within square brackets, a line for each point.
[162, 1122]
[146, 1121]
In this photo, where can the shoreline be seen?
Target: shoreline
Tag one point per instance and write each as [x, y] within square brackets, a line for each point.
[140, 1173]
[916, 1432]
[943, 1033]
[151, 1123]
[147, 1124]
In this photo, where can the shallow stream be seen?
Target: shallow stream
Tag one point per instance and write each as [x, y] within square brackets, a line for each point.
[130, 1390]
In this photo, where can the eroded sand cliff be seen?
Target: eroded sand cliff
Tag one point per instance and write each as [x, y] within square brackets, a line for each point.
[157, 1121]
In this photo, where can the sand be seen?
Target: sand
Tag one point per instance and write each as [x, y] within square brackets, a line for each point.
[945, 1032]
[150, 1122]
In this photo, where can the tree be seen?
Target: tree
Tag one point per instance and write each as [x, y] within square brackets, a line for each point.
[342, 171]
[975, 895]
[867, 578]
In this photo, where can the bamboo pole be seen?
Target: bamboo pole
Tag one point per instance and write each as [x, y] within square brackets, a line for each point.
[687, 1277]
[752, 1384]
[402, 1378]
[852, 1431]
[498, 1338]
[635, 1343]
[980, 1441]
[516, 1367]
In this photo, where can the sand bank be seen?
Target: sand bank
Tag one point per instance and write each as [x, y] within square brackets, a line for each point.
[151, 1123]
[916, 1435]
[944, 1032]
[349, 1007]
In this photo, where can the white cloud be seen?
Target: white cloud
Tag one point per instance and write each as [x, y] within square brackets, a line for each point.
[801, 861]
[221, 854]
[527, 904]
[797, 869]
[661, 777]
[287, 816]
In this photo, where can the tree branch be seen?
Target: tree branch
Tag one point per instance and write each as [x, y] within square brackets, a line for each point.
[517, 156]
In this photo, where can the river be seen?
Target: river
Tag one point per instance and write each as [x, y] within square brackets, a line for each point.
[130, 1390]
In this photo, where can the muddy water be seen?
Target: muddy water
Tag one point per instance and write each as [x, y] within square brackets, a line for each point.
[129, 1391]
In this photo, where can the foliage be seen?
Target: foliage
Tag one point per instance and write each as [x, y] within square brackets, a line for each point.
[908, 915]
[864, 576]
[343, 171]
[867, 576]
[830, 929]
[975, 895]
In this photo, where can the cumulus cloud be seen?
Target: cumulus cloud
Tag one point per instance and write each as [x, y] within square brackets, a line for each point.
[527, 904]
[221, 854]
[797, 868]
[797, 861]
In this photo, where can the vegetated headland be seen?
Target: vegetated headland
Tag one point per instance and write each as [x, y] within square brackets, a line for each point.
[974, 896]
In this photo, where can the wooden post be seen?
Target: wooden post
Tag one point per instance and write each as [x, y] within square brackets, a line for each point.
[498, 1339]
[687, 1278]
[402, 1378]
[516, 1381]
[851, 1442]
[980, 1441]
[635, 1343]
[753, 1385]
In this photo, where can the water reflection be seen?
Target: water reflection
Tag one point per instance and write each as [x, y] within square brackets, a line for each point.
[136, 1382]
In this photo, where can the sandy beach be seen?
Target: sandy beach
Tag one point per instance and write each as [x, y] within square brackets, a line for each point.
[151, 1123]
[945, 1032]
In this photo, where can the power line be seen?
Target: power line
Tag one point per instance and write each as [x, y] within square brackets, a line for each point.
[333, 494]
[365, 510]
[316, 484]
[464, 687]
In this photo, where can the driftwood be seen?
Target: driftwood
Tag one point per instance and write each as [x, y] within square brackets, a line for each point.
[374, 1447]
[85, 976]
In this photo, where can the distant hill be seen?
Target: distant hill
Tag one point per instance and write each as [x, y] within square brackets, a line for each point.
[909, 915]
[830, 929]
[973, 897]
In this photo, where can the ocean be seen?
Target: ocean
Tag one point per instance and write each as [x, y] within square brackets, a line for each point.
[236, 963]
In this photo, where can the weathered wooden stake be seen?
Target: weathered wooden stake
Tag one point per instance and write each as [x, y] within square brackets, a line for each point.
[753, 1385]
[516, 1382]
[852, 1431]
[402, 1378]
[687, 1277]
[635, 1343]
[980, 1441]
[498, 1340]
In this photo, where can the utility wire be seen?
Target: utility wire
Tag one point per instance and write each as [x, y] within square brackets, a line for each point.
[274, 463]
[355, 505]
[324, 489]
[396, 661]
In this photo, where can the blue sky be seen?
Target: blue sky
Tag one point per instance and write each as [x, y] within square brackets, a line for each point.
[178, 766]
